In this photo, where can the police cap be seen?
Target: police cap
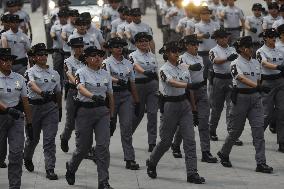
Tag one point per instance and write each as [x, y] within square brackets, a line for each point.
[5, 53]
[220, 33]
[273, 5]
[115, 42]
[142, 35]
[93, 51]
[74, 13]
[280, 29]
[12, 3]
[269, 33]
[257, 6]
[63, 13]
[173, 46]
[76, 42]
[204, 10]
[81, 21]
[63, 2]
[190, 39]
[135, 12]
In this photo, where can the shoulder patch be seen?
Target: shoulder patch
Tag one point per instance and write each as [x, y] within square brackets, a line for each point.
[163, 76]
[104, 66]
[258, 57]
[211, 56]
[234, 70]
[65, 67]
[131, 59]
[77, 79]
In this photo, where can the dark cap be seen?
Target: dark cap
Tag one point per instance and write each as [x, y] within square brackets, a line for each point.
[281, 8]
[121, 9]
[220, 33]
[86, 15]
[190, 39]
[5, 18]
[204, 10]
[14, 18]
[269, 33]
[257, 6]
[40, 48]
[173, 46]
[280, 29]
[63, 2]
[75, 42]
[273, 5]
[115, 42]
[93, 50]
[135, 12]
[81, 21]
[142, 35]
[245, 41]
[74, 13]
[63, 13]
[12, 3]
[6, 53]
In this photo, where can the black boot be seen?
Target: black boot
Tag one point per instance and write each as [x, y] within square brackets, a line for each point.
[104, 185]
[151, 169]
[132, 165]
[225, 161]
[263, 168]
[151, 147]
[195, 178]
[64, 145]
[281, 147]
[69, 176]
[238, 142]
[176, 151]
[3, 164]
[29, 165]
[207, 157]
[213, 136]
[51, 175]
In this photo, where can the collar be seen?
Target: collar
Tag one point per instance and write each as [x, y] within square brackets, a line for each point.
[93, 71]
[222, 47]
[11, 76]
[268, 48]
[39, 69]
[190, 55]
[75, 59]
[244, 60]
[117, 61]
[142, 53]
[11, 32]
[171, 65]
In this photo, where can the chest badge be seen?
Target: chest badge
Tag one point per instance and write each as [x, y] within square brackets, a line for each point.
[17, 84]
[45, 80]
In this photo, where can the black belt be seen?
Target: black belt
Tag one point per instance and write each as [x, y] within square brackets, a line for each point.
[39, 101]
[223, 76]
[203, 53]
[174, 98]
[246, 90]
[119, 88]
[143, 80]
[203, 83]
[19, 107]
[271, 77]
[91, 104]
[234, 29]
[22, 61]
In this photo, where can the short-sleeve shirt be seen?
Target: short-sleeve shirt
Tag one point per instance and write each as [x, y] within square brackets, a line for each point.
[255, 22]
[58, 43]
[268, 21]
[88, 39]
[278, 23]
[115, 24]
[182, 23]
[280, 45]
[71, 65]
[98, 82]
[12, 88]
[175, 19]
[233, 16]
[68, 29]
[98, 33]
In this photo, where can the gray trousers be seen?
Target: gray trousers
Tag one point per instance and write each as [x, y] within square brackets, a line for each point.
[124, 110]
[148, 100]
[235, 35]
[70, 115]
[3, 150]
[58, 61]
[273, 103]
[247, 106]
[13, 130]
[202, 105]
[45, 118]
[220, 93]
[207, 65]
[91, 120]
[177, 113]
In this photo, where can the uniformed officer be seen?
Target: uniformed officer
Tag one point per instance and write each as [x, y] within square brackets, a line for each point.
[44, 93]
[146, 79]
[14, 101]
[5, 23]
[233, 16]
[121, 28]
[19, 44]
[123, 76]
[195, 65]
[176, 108]
[118, 21]
[220, 9]
[246, 104]
[190, 24]
[182, 23]
[268, 20]
[221, 57]
[71, 65]
[55, 33]
[94, 86]
[272, 62]
[280, 43]
[214, 6]
[62, 5]
[281, 20]
[164, 8]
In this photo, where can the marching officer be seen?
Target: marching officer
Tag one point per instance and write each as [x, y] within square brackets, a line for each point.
[71, 65]
[221, 57]
[273, 10]
[182, 23]
[94, 86]
[176, 110]
[19, 44]
[246, 104]
[146, 79]
[13, 102]
[272, 64]
[125, 94]
[118, 21]
[121, 28]
[44, 93]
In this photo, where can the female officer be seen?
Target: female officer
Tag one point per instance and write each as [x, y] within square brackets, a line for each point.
[122, 74]
[12, 91]
[94, 85]
[146, 80]
[44, 93]
[176, 108]
[246, 103]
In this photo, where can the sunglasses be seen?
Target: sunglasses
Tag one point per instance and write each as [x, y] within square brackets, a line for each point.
[117, 46]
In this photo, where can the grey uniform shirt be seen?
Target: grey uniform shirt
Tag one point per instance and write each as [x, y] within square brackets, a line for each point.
[278, 23]
[214, 8]
[98, 82]
[221, 53]
[68, 29]
[254, 22]
[182, 23]
[18, 42]
[190, 25]
[89, 40]
[58, 43]
[273, 56]
[203, 28]
[147, 61]
[248, 68]
[119, 69]
[173, 21]
[115, 24]
[189, 59]
[233, 16]
[12, 88]
[46, 79]
[280, 45]
[268, 21]
[111, 13]
[170, 72]
[71, 65]
[97, 33]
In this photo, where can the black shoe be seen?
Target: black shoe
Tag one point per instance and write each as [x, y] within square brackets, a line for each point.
[64, 145]
[176, 151]
[91, 154]
[104, 185]
[225, 161]
[238, 142]
[281, 147]
[51, 175]
[196, 179]
[207, 157]
[272, 128]
[132, 165]
[29, 165]
[263, 168]
[69, 176]
[3, 165]
[151, 147]
[151, 169]
[213, 136]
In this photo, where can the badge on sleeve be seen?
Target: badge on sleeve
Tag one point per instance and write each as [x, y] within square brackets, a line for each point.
[163, 76]
[258, 57]
[77, 79]
[65, 67]
[211, 56]
[104, 66]
[234, 70]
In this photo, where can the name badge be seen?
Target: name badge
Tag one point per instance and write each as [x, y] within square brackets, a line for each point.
[9, 90]
[45, 80]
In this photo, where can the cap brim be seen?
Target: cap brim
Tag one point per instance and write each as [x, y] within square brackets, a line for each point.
[11, 57]
[148, 37]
